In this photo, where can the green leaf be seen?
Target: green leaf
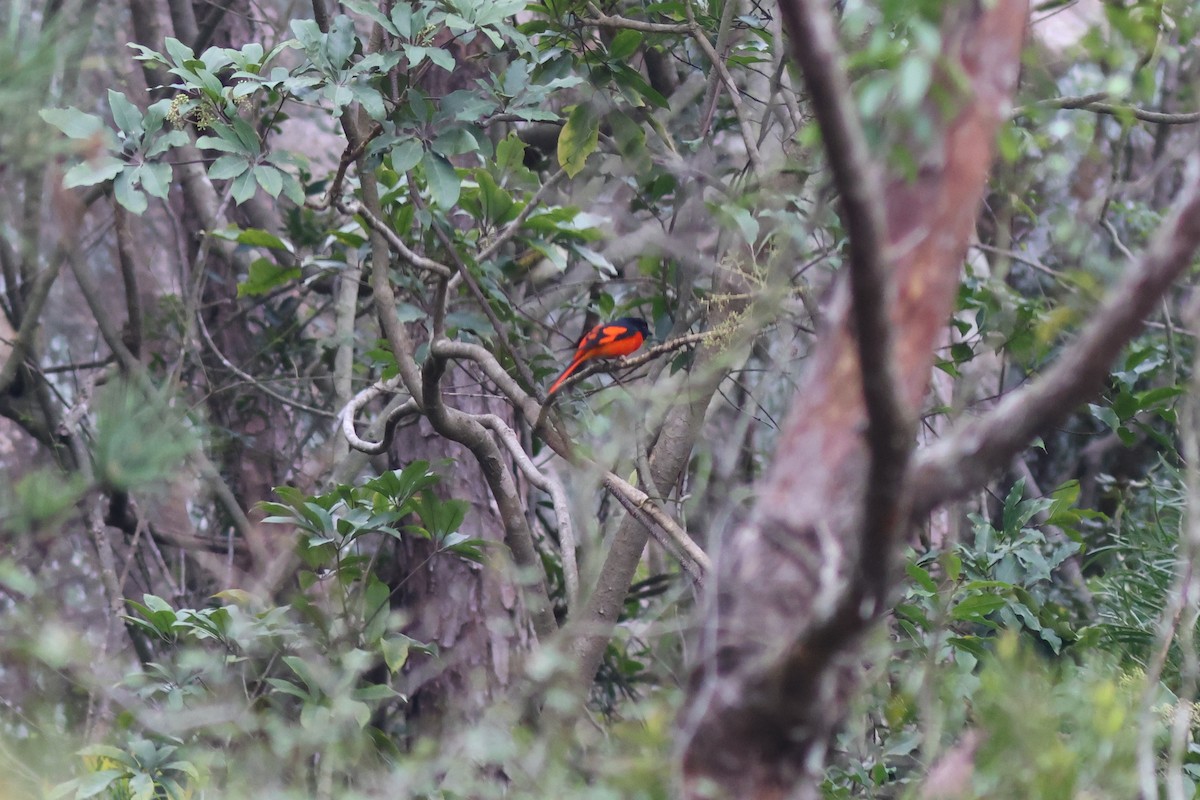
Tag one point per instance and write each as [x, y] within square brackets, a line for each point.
[372, 12]
[260, 238]
[635, 88]
[624, 45]
[442, 58]
[977, 606]
[227, 167]
[405, 155]
[246, 136]
[375, 609]
[921, 576]
[1105, 415]
[73, 122]
[402, 14]
[178, 51]
[341, 41]
[244, 186]
[287, 687]
[744, 220]
[186, 767]
[301, 668]
[94, 783]
[105, 751]
[125, 114]
[578, 139]
[395, 651]
[269, 179]
[292, 189]
[156, 179]
[913, 79]
[165, 142]
[1152, 397]
[1012, 504]
[224, 141]
[455, 141]
[374, 693]
[264, 276]
[127, 195]
[370, 99]
[444, 185]
[495, 203]
[93, 171]
[141, 787]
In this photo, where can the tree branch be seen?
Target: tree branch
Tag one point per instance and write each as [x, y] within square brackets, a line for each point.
[675, 539]
[964, 459]
[558, 496]
[29, 321]
[735, 95]
[796, 586]
[890, 426]
[468, 430]
[376, 223]
[602, 20]
[350, 411]
[1095, 103]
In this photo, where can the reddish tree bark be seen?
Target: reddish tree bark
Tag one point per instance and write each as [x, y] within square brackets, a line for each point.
[804, 577]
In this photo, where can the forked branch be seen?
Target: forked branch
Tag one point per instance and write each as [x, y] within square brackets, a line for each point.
[963, 460]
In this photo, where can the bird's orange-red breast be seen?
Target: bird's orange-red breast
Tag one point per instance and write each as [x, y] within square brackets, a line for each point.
[607, 340]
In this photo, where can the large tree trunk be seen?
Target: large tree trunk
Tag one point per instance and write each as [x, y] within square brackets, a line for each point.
[803, 578]
[473, 613]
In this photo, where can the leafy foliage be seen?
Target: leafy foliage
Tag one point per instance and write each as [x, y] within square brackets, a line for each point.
[1025, 640]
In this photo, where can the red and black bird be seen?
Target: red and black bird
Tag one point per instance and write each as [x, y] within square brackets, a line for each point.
[607, 340]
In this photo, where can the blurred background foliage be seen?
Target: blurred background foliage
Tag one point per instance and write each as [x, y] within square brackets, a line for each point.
[1038, 648]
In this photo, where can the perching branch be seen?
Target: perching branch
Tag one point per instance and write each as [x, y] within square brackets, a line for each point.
[633, 361]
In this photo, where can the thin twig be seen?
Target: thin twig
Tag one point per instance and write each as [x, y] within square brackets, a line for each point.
[246, 376]
[511, 229]
[1022, 258]
[735, 95]
[558, 496]
[394, 241]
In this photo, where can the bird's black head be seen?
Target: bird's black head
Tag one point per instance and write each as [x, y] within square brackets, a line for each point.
[635, 323]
